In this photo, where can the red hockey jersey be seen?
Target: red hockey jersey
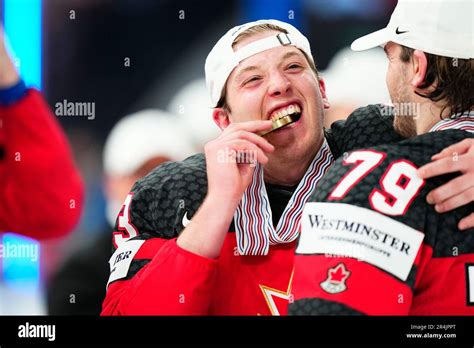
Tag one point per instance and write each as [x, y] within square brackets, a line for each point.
[152, 275]
[370, 245]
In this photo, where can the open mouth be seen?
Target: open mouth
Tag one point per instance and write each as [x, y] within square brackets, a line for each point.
[284, 117]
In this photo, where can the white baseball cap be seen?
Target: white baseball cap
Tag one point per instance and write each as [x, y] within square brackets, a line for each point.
[222, 59]
[139, 137]
[440, 27]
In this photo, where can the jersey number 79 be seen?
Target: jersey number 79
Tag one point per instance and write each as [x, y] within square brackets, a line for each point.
[399, 185]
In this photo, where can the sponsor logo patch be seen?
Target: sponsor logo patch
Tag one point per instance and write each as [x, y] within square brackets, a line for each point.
[348, 231]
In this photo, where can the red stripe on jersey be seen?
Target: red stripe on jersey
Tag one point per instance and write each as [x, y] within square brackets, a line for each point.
[422, 260]
[149, 249]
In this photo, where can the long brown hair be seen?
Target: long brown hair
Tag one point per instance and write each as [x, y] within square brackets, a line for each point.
[452, 79]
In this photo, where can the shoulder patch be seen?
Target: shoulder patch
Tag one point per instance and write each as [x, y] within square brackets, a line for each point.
[122, 258]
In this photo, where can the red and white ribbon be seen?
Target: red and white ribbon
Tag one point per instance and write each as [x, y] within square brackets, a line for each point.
[463, 122]
[253, 217]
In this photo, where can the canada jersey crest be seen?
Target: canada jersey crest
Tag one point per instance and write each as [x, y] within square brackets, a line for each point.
[336, 281]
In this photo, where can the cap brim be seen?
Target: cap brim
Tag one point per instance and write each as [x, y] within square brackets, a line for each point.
[377, 38]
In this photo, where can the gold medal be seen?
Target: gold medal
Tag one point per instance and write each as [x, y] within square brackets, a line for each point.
[280, 123]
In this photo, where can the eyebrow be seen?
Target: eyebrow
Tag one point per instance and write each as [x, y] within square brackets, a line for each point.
[244, 70]
[254, 67]
[290, 54]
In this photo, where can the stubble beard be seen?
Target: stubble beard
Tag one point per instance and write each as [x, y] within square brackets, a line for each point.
[405, 125]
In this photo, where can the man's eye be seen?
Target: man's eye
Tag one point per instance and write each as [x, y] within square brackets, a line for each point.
[252, 79]
[294, 66]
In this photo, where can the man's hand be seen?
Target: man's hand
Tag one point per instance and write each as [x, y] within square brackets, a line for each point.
[459, 191]
[228, 176]
[8, 73]
[232, 157]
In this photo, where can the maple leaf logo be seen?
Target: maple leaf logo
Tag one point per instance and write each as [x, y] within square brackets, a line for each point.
[336, 281]
[338, 274]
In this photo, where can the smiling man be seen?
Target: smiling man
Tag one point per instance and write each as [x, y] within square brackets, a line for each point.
[216, 234]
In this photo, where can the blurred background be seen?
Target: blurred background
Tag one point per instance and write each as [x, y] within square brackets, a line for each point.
[125, 56]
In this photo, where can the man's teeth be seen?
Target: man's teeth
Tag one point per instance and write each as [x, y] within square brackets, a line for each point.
[288, 110]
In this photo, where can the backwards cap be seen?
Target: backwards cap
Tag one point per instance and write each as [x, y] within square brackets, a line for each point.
[222, 59]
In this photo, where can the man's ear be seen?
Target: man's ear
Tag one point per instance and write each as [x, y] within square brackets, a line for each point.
[420, 64]
[322, 88]
[221, 118]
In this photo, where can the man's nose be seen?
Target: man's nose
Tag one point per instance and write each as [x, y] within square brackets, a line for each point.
[279, 84]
